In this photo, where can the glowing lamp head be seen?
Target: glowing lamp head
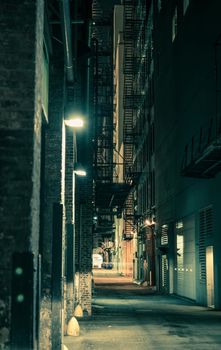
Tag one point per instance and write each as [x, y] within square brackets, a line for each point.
[147, 222]
[79, 170]
[75, 122]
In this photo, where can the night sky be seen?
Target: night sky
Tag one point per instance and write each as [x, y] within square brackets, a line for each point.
[107, 5]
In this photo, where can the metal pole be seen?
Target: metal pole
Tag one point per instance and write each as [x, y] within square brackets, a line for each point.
[57, 274]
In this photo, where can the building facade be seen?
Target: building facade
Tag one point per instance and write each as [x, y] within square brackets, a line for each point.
[39, 231]
[187, 143]
[171, 138]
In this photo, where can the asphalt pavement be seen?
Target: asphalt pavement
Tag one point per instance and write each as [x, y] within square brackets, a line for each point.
[128, 316]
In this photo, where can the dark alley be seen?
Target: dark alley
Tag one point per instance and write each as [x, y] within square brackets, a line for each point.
[110, 174]
[131, 317]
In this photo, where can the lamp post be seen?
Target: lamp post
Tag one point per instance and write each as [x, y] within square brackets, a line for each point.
[73, 169]
[150, 223]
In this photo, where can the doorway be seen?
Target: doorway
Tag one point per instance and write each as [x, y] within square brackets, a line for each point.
[209, 276]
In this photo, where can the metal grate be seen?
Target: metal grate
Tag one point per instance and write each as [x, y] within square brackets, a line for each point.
[164, 272]
[205, 231]
[164, 235]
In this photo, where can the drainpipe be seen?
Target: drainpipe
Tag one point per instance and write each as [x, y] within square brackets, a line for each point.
[67, 38]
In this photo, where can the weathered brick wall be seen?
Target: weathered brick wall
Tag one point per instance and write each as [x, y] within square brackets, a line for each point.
[20, 143]
[84, 221]
[69, 188]
[52, 194]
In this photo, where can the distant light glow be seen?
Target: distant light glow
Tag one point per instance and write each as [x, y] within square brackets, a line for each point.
[147, 222]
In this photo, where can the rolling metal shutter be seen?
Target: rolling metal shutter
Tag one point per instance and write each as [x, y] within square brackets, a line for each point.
[205, 232]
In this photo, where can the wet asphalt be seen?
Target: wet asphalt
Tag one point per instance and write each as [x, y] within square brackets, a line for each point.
[127, 316]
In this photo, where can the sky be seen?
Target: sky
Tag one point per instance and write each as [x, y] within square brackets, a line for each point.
[107, 5]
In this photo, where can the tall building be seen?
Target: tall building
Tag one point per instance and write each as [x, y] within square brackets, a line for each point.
[102, 67]
[171, 138]
[134, 74]
[111, 187]
[123, 237]
[187, 148]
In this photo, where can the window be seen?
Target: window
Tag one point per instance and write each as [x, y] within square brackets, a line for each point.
[174, 25]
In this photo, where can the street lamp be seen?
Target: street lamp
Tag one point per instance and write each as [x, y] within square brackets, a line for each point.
[79, 170]
[74, 121]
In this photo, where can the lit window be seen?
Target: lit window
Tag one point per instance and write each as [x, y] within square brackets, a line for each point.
[174, 25]
[185, 5]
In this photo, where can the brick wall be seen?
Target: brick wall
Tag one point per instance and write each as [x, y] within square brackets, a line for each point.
[20, 142]
[52, 194]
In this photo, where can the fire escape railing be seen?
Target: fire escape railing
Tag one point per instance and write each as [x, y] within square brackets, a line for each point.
[128, 124]
[202, 156]
[103, 100]
[102, 95]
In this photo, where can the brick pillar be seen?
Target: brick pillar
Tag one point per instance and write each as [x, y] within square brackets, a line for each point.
[84, 222]
[51, 320]
[69, 216]
[21, 37]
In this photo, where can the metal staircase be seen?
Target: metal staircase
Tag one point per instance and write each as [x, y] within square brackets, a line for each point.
[128, 125]
[202, 156]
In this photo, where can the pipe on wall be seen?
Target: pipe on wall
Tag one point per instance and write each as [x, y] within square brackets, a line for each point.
[67, 38]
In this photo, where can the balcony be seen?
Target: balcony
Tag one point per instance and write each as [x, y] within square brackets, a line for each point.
[202, 157]
[127, 236]
[111, 195]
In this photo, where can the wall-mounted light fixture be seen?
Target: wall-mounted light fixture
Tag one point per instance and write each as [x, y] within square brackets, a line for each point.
[147, 222]
[150, 222]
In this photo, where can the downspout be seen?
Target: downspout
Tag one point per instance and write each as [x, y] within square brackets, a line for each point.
[67, 38]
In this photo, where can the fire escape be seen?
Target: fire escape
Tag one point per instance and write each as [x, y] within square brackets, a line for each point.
[109, 196]
[202, 156]
[130, 100]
